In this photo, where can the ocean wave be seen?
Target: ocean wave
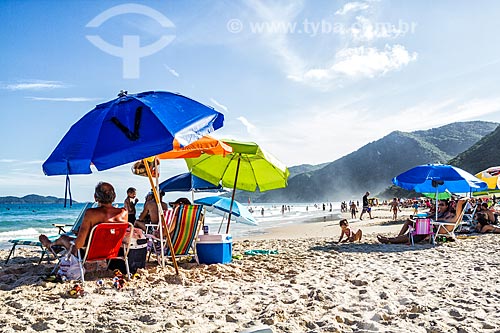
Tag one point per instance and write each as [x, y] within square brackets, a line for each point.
[28, 233]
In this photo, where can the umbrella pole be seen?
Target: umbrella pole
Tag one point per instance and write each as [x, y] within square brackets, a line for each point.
[234, 191]
[163, 222]
[437, 195]
[222, 221]
[160, 212]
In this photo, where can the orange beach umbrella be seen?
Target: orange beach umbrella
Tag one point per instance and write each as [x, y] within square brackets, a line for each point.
[205, 145]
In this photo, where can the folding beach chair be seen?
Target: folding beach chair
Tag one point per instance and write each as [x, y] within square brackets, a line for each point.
[104, 243]
[36, 242]
[421, 226]
[468, 223]
[184, 229]
[447, 229]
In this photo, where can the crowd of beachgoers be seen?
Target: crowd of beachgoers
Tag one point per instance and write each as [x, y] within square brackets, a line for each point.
[306, 282]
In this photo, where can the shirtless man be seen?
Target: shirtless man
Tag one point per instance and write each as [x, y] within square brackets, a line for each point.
[366, 206]
[104, 195]
[150, 209]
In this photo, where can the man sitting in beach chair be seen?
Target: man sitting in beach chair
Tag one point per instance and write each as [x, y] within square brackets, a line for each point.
[104, 195]
[36, 242]
[447, 217]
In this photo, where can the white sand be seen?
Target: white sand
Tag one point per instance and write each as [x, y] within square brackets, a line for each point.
[312, 285]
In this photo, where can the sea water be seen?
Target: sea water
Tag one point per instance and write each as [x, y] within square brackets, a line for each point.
[28, 221]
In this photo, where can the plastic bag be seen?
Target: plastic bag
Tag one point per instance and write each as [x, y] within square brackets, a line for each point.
[69, 267]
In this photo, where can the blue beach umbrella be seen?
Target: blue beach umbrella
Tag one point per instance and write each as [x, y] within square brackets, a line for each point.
[438, 178]
[223, 204]
[187, 182]
[130, 128]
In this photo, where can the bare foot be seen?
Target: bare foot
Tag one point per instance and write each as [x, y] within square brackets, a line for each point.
[47, 244]
[45, 241]
[382, 239]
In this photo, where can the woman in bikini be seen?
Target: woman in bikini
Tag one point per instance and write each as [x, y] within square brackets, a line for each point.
[351, 236]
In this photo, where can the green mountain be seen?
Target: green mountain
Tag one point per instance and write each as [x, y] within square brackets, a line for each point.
[374, 165]
[304, 168]
[483, 154]
[31, 199]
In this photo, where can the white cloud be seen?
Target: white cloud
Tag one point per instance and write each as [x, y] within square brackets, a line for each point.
[361, 62]
[368, 61]
[352, 7]
[249, 126]
[219, 105]
[172, 71]
[34, 85]
[64, 99]
[6, 160]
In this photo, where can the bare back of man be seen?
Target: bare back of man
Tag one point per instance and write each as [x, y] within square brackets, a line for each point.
[151, 210]
[104, 213]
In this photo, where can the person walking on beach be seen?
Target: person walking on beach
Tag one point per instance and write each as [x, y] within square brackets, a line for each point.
[354, 210]
[351, 236]
[130, 203]
[394, 207]
[366, 206]
[104, 195]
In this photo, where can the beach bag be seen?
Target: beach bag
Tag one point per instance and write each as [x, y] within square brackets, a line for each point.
[69, 267]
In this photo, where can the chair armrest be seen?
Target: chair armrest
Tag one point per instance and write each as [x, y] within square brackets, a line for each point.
[61, 227]
[443, 223]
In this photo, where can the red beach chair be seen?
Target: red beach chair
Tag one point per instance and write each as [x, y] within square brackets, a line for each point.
[104, 243]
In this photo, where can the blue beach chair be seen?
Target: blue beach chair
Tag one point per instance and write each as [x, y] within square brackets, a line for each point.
[36, 242]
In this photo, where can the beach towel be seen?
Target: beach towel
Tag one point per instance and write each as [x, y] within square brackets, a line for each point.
[260, 252]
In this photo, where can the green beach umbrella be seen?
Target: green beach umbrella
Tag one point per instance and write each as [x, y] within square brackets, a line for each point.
[247, 168]
[441, 196]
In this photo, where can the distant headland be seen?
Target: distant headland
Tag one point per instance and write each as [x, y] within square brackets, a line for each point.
[31, 199]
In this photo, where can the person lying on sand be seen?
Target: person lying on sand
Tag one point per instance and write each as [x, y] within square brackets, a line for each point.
[445, 214]
[351, 235]
[104, 195]
[484, 226]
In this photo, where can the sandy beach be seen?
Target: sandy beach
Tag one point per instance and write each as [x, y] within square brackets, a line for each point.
[311, 285]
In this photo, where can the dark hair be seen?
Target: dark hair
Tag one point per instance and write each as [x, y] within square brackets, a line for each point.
[104, 193]
[482, 220]
[343, 222]
[484, 204]
[131, 190]
[180, 201]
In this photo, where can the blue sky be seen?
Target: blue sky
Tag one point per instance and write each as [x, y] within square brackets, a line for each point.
[310, 81]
